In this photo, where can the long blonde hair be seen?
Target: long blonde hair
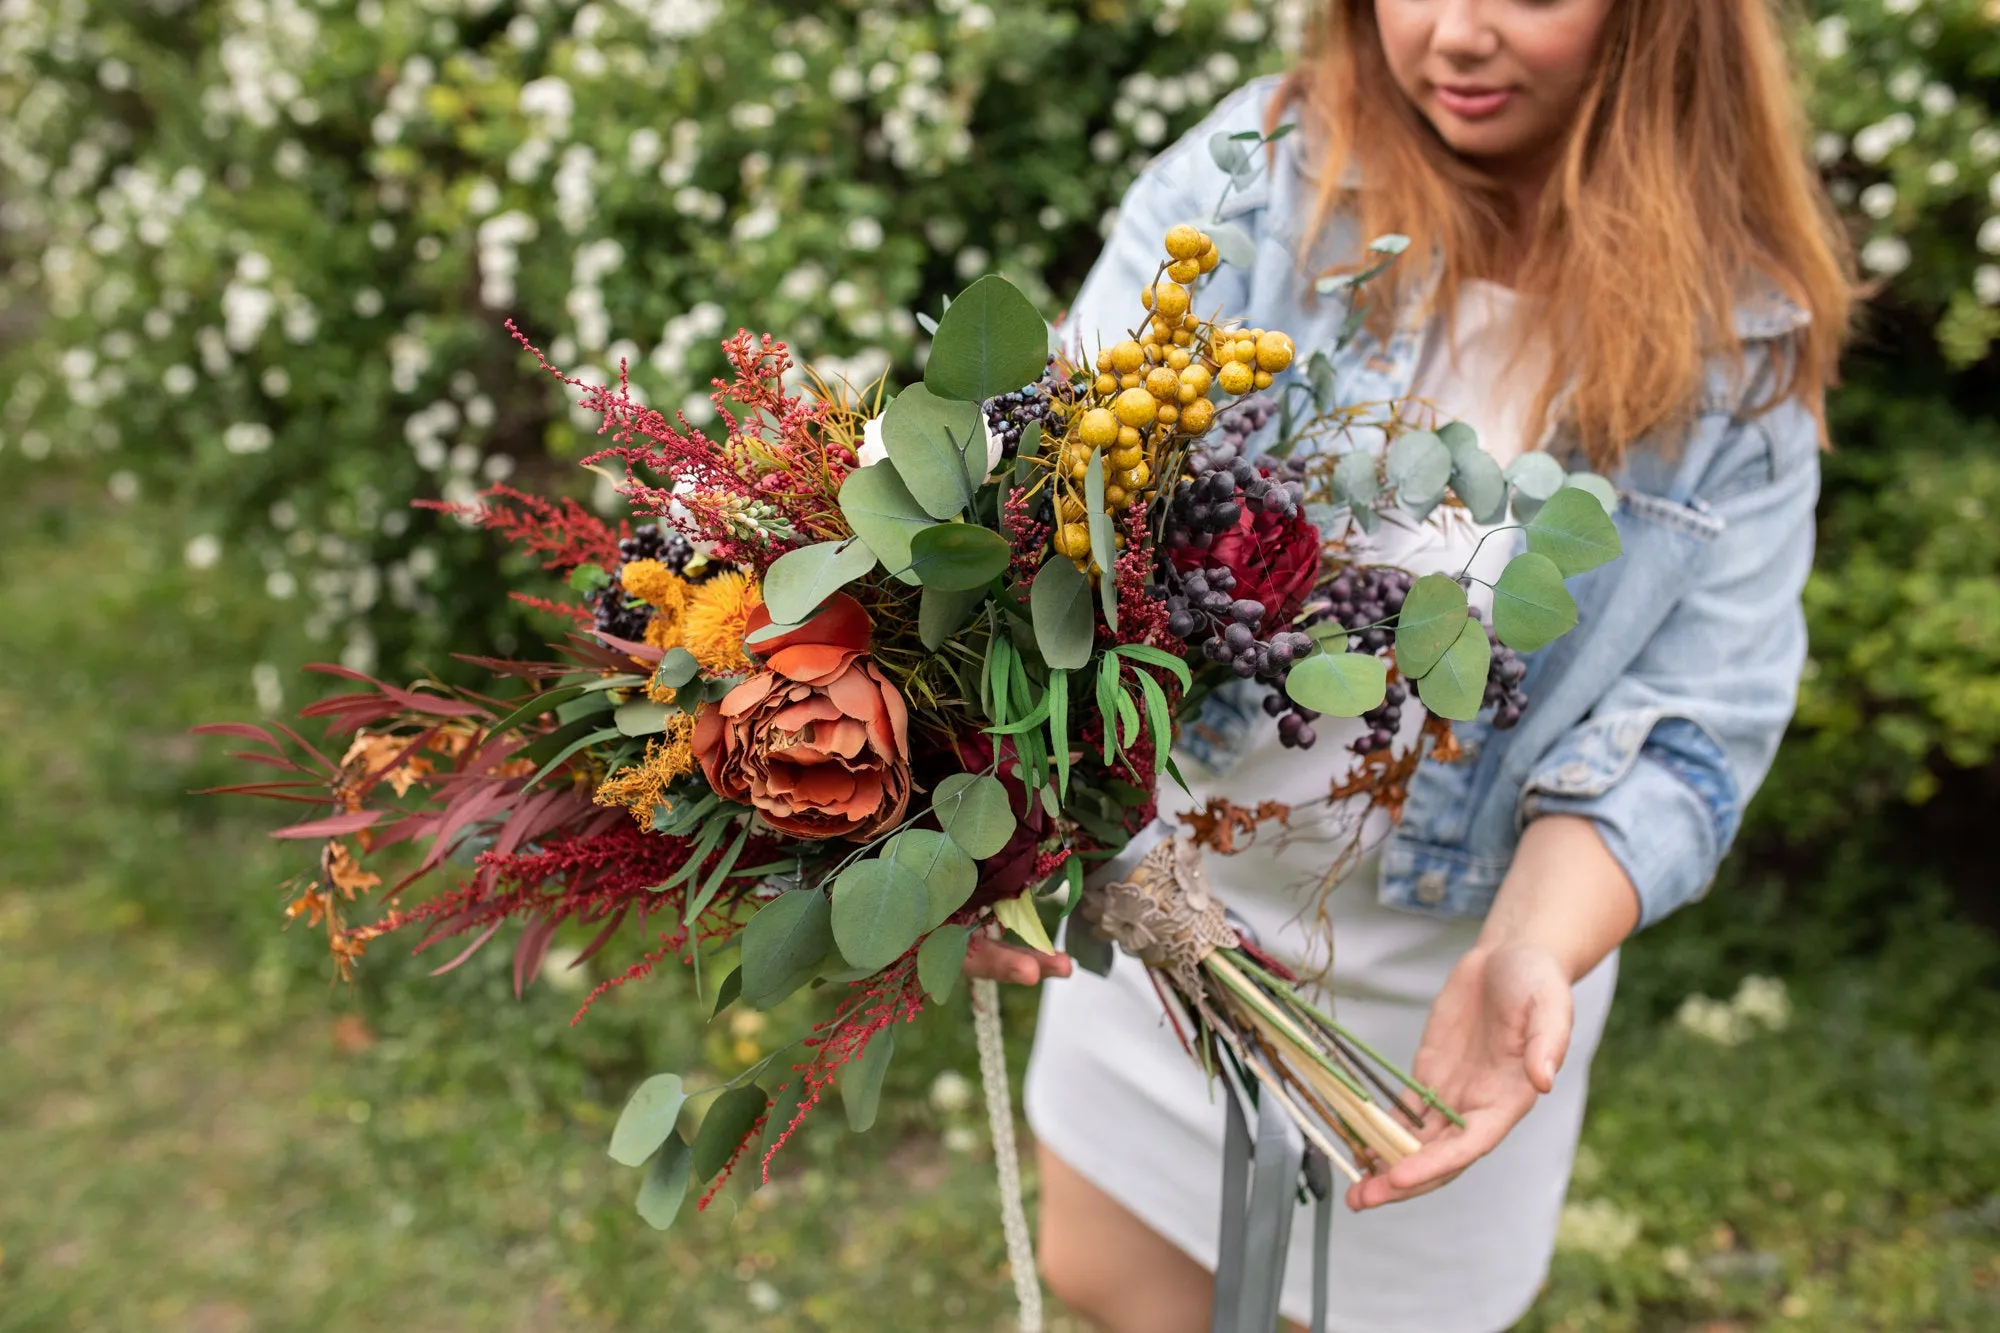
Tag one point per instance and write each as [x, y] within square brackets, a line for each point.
[1684, 181]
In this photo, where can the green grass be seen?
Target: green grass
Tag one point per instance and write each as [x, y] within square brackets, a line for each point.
[200, 1132]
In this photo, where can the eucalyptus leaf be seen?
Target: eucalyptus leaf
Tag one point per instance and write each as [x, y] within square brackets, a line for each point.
[1531, 607]
[1355, 480]
[947, 873]
[930, 439]
[1103, 545]
[647, 1120]
[941, 613]
[991, 341]
[788, 937]
[798, 581]
[665, 1185]
[1233, 244]
[1059, 605]
[1573, 530]
[1536, 475]
[1593, 484]
[1090, 950]
[940, 959]
[861, 1080]
[1319, 376]
[1419, 467]
[880, 907]
[723, 1128]
[883, 513]
[1432, 619]
[958, 557]
[1339, 684]
[676, 668]
[1456, 687]
[1227, 153]
[1477, 479]
[641, 717]
[588, 578]
[973, 810]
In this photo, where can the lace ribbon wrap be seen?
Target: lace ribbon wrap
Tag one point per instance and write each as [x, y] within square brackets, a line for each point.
[1163, 912]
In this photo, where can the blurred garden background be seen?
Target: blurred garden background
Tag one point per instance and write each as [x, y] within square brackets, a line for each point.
[255, 256]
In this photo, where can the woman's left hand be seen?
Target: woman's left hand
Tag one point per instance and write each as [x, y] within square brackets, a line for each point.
[1497, 1034]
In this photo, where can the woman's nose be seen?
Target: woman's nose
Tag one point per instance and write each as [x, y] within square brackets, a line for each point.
[1465, 32]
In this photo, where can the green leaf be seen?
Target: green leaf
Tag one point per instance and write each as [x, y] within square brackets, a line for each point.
[1601, 487]
[677, 667]
[1103, 545]
[1233, 244]
[1227, 153]
[1033, 721]
[958, 557]
[1573, 530]
[1019, 915]
[698, 902]
[665, 1185]
[579, 743]
[879, 910]
[883, 513]
[940, 959]
[1419, 467]
[1536, 475]
[1340, 684]
[1159, 657]
[1432, 619]
[1090, 950]
[724, 1127]
[1059, 728]
[946, 872]
[1474, 475]
[535, 705]
[642, 717]
[929, 440]
[727, 992]
[973, 811]
[861, 1080]
[1159, 718]
[788, 936]
[1456, 686]
[1531, 607]
[1354, 479]
[991, 341]
[798, 581]
[940, 614]
[1059, 604]
[588, 579]
[647, 1120]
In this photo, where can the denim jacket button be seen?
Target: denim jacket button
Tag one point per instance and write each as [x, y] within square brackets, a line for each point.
[1574, 774]
[1430, 888]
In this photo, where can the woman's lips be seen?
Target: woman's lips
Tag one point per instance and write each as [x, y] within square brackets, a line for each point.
[1471, 103]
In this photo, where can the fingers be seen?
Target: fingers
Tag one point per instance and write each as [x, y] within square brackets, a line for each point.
[1013, 963]
[1434, 1165]
[1550, 1017]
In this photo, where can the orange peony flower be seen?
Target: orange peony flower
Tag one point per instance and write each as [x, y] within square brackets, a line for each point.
[818, 741]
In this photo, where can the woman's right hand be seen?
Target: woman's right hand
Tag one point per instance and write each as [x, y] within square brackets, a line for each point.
[995, 960]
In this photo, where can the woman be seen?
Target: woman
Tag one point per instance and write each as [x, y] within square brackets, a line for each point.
[1635, 270]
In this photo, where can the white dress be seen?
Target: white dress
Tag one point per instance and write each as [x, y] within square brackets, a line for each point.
[1111, 1092]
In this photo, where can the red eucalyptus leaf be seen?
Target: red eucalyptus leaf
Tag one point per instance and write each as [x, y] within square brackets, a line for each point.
[333, 826]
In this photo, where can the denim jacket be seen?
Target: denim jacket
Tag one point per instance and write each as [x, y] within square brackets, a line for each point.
[1658, 716]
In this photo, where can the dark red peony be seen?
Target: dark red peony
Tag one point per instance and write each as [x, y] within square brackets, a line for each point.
[818, 741]
[1275, 561]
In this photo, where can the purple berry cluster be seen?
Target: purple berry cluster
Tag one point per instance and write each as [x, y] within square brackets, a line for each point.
[613, 612]
[1504, 694]
[1235, 427]
[1220, 484]
[1364, 599]
[1205, 611]
[1010, 414]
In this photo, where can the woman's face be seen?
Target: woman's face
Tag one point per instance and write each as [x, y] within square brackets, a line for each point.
[1500, 80]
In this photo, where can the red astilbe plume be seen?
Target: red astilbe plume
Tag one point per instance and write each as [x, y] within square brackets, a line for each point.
[873, 1005]
[562, 535]
[772, 484]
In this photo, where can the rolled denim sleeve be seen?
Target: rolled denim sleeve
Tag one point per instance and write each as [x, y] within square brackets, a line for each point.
[1673, 752]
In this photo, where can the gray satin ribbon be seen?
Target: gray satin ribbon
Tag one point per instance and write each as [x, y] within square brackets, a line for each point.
[1259, 1186]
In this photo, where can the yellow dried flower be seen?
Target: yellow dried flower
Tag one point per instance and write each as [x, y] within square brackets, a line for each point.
[642, 788]
[718, 615]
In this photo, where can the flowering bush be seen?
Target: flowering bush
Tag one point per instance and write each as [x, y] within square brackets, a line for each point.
[271, 242]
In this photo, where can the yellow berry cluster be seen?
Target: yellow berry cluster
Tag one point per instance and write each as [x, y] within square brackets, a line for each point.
[1150, 390]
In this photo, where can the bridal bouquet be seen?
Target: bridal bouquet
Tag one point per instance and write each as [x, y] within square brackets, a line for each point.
[874, 673]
